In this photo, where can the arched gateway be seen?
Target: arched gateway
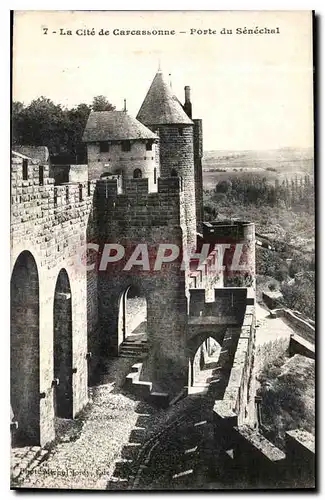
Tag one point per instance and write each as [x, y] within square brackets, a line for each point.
[24, 350]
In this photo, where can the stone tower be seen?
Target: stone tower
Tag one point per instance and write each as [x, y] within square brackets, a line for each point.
[118, 144]
[162, 112]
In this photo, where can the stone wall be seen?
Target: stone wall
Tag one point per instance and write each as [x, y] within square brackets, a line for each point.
[234, 408]
[198, 175]
[52, 223]
[262, 465]
[233, 234]
[69, 173]
[177, 154]
[228, 303]
[139, 217]
[125, 162]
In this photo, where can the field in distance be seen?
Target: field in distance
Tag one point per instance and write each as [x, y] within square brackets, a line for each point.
[273, 164]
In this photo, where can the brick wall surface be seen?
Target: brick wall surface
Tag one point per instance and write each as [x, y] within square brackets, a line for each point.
[177, 153]
[52, 223]
[133, 218]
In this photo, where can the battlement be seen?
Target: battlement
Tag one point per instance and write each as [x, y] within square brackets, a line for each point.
[227, 302]
[208, 272]
[234, 229]
[136, 206]
[108, 187]
[35, 197]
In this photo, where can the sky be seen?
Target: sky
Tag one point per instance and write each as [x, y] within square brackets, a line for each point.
[252, 91]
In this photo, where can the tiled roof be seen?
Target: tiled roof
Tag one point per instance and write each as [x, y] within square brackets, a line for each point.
[114, 126]
[161, 106]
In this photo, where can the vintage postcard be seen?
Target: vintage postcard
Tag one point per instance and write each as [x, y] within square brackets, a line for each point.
[162, 250]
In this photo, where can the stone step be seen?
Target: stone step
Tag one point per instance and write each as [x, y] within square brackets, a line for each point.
[128, 355]
[135, 341]
[134, 347]
[130, 349]
[135, 344]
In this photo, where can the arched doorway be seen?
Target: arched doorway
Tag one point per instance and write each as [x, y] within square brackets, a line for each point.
[24, 350]
[62, 347]
[133, 315]
[137, 174]
[204, 365]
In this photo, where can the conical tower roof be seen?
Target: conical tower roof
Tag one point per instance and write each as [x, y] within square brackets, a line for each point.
[161, 106]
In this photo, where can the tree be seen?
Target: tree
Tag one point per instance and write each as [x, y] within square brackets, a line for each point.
[224, 187]
[100, 103]
[301, 295]
[40, 124]
[77, 119]
[16, 120]
[43, 123]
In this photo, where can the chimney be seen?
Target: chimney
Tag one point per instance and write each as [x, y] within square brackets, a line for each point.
[188, 105]
[124, 106]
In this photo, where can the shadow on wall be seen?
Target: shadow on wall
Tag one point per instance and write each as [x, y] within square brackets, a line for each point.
[25, 351]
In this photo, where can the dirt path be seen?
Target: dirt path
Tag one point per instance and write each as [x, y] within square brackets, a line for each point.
[98, 449]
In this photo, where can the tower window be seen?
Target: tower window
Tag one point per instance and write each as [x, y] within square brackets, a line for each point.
[137, 174]
[126, 146]
[104, 147]
[149, 146]
[173, 173]
[41, 175]
[25, 169]
[180, 131]
[155, 175]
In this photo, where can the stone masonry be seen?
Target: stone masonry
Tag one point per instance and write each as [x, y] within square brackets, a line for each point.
[65, 307]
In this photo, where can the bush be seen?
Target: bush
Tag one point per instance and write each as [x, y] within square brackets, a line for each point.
[287, 391]
[301, 295]
[224, 187]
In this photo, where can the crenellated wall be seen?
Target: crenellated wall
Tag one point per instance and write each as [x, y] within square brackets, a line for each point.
[140, 217]
[49, 224]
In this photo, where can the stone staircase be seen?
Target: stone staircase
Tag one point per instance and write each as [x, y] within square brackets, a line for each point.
[132, 348]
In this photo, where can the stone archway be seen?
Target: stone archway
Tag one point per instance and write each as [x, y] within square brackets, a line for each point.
[62, 347]
[24, 350]
[204, 358]
[132, 322]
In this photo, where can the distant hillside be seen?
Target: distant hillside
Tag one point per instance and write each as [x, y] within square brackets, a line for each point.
[278, 163]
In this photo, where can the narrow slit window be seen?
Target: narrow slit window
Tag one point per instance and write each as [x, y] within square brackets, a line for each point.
[41, 175]
[25, 169]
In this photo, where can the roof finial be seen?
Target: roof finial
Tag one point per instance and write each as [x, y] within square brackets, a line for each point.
[159, 65]
[170, 80]
[124, 106]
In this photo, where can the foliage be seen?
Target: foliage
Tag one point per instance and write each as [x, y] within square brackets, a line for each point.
[43, 123]
[238, 281]
[300, 295]
[256, 189]
[100, 103]
[224, 187]
[287, 391]
[270, 263]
